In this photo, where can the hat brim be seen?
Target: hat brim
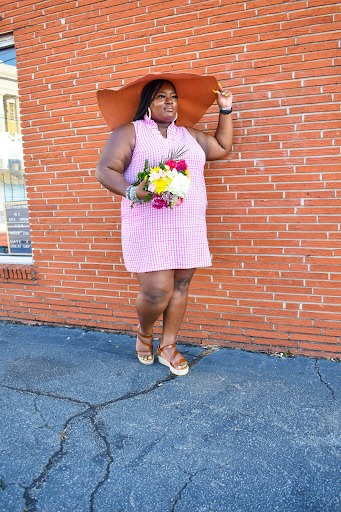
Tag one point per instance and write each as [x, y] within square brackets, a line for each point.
[195, 95]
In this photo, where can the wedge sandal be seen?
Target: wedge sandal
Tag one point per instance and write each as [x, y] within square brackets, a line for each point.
[171, 364]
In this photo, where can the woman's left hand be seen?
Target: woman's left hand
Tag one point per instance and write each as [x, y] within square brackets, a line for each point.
[224, 98]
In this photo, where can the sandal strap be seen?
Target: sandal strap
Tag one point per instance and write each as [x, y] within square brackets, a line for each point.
[149, 350]
[140, 335]
[143, 342]
[180, 361]
[172, 345]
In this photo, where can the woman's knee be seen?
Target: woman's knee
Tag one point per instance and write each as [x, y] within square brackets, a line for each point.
[156, 297]
[182, 284]
[182, 279]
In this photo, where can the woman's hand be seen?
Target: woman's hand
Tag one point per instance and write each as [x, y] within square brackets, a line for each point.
[142, 194]
[224, 98]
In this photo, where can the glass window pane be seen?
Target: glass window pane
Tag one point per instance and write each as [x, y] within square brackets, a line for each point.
[14, 224]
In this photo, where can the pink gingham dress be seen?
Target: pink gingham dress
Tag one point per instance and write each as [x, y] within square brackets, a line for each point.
[161, 239]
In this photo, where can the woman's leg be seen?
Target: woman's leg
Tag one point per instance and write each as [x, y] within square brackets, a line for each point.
[156, 289]
[175, 310]
[163, 291]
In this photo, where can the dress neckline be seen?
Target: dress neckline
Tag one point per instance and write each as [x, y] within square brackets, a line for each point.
[171, 130]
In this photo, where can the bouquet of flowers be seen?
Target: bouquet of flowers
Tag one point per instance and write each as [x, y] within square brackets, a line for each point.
[168, 182]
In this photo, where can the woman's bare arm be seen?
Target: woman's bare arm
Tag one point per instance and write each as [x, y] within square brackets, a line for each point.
[220, 144]
[115, 158]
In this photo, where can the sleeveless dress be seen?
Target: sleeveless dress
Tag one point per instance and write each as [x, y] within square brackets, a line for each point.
[162, 239]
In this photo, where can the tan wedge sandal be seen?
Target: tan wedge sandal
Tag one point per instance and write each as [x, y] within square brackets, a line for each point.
[148, 351]
[171, 363]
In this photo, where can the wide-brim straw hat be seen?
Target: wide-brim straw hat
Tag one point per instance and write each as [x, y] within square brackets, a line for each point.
[195, 95]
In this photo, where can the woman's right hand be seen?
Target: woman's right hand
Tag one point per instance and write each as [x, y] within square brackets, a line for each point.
[142, 194]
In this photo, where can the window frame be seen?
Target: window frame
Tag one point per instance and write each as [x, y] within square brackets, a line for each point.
[7, 41]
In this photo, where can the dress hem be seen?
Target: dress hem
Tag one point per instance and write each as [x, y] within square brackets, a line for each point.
[169, 268]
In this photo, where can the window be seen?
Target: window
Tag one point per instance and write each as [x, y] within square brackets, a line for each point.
[12, 116]
[15, 240]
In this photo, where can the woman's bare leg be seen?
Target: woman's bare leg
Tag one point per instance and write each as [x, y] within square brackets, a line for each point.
[174, 313]
[156, 289]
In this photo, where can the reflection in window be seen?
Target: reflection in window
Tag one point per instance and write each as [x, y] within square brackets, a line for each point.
[14, 226]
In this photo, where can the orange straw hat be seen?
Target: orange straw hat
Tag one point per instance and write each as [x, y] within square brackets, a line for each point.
[194, 92]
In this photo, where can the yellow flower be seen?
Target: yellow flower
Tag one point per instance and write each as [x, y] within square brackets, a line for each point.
[186, 172]
[161, 184]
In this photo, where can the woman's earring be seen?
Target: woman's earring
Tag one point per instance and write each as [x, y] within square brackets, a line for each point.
[149, 113]
[175, 118]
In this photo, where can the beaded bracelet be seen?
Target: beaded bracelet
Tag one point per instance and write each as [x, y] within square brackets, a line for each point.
[128, 192]
[136, 199]
[131, 195]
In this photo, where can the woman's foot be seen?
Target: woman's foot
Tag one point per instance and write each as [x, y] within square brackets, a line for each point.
[144, 347]
[169, 356]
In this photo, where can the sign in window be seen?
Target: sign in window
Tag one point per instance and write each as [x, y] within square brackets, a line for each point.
[14, 223]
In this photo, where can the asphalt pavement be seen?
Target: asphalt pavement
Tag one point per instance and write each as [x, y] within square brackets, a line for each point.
[85, 427]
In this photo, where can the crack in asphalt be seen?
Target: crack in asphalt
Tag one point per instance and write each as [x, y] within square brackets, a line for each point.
[208, 503]
[48, 394]
[102, 433]
[40, 414]
[4, 486]
[323, 381]
[97, 429]
[178, 496]
[160, 382]
[36, 484]
[336, 497]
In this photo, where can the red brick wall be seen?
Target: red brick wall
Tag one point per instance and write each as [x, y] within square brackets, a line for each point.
[274, 203]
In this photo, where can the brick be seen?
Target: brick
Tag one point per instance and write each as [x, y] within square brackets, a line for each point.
[317, 348]
[273, 203]
[278, 344]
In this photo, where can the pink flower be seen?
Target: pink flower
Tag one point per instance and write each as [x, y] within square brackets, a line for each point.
[158, 202]
[172, 164]
[151, 187]
[181, 166]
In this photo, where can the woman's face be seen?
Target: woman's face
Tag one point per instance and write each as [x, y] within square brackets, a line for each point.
[165, 104]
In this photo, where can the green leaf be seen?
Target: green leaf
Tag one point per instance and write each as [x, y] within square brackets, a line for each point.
[148, 198]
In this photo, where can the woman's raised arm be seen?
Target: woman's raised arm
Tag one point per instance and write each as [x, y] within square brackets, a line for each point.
[220, 144]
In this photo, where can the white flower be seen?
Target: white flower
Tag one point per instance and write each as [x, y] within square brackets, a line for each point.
[179, 185]
[154, 175]
[162, 173]
[167, 167]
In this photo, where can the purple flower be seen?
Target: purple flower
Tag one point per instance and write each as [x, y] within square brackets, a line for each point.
[181, 166]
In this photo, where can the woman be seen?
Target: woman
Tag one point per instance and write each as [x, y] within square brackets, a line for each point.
[162, 246]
